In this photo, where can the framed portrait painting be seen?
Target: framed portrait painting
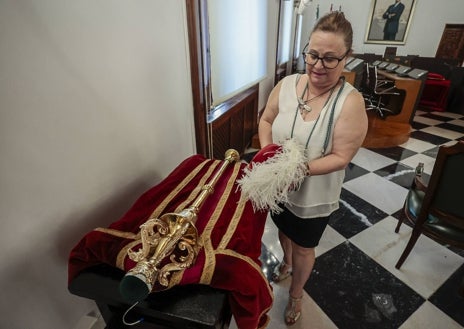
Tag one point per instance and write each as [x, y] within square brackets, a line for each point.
[389, 21]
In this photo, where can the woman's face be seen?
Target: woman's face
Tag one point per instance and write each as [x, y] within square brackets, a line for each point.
[332, 47]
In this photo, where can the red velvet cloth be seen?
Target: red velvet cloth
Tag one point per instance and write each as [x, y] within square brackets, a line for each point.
[266, 153]
[229, 230]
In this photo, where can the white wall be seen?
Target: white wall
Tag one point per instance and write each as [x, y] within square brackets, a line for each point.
[428, 22]
[95, 107]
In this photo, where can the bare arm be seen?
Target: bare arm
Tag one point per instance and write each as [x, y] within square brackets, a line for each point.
[267, 118]
[349, 133]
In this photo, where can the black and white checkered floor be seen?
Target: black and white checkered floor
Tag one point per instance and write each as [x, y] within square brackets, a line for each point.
[354, 283]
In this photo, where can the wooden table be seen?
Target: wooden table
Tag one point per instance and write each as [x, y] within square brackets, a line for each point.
[394, 130]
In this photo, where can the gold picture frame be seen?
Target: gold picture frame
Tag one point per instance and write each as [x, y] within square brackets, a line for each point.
[384, 27]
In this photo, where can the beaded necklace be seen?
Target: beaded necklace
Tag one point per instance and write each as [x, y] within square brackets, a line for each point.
[303, 104]
[318, 117]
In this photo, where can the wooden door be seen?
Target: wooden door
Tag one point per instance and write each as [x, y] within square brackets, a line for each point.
[452, 43]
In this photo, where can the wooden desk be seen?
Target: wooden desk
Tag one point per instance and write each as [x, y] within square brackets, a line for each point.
[394, 130]
[412, 87]
[382, 133]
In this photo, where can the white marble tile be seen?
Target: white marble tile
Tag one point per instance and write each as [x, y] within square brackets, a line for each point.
[414, 160]
[370, 160]
[449, 143]
[427, 121]
[312, 317]
[330, 239]
[420, 112]
[417, 145]
[457, 122]
[385, 195]
[450, 134]
[428, 265]
[447, 114]
[428, 316]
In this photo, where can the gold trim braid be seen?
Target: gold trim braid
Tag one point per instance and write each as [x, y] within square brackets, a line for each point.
[210, 259]
[181, 185]
[117, 233]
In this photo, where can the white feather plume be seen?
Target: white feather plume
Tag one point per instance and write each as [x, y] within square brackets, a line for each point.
[268, 184]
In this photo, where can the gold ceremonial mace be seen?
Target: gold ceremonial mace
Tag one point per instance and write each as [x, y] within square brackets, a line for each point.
[173, 235]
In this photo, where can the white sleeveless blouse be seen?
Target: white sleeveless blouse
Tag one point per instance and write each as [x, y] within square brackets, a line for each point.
[318, 195]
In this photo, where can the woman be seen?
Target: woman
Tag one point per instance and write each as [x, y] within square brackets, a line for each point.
[327, 115]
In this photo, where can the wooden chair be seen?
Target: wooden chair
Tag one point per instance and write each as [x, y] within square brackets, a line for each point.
[437, 210]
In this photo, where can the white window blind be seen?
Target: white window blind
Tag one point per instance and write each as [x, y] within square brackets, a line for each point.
[238, 50]
[285, 32]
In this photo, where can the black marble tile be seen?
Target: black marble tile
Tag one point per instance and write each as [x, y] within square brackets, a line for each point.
[433, 139]
[449, 126]
[449, 298]
[356, 292]
[397, 214]
[432, 152]
[438, 117]
[354, 215]
[353, 171]
[418, 125]
[400, 174]
[396, 153]
[456, 250]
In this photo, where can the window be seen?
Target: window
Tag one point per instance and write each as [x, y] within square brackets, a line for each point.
[237, 46]
[285, 32]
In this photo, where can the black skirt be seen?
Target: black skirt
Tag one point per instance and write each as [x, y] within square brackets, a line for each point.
[305, 232]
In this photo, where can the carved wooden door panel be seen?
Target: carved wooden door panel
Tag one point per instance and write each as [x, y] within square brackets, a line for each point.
[452, 43]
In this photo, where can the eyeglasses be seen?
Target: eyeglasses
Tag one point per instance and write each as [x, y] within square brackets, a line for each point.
[328, 62]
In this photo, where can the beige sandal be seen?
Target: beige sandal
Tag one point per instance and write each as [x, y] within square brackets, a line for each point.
[291, 315]
[278, 275]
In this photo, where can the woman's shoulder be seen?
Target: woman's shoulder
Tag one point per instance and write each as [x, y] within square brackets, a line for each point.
[289, 82]
[350, 91]
[353, 100]
[292, 78]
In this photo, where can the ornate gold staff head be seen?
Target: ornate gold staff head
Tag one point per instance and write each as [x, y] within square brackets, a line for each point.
[169, 243]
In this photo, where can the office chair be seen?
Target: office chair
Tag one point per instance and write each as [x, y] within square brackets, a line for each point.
[375, 89]
[437, 210]
[366, 88]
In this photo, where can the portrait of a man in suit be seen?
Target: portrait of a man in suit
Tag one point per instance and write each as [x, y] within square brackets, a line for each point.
[392, 16]
[389, 21]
